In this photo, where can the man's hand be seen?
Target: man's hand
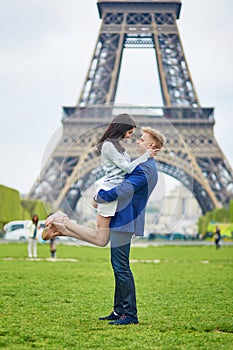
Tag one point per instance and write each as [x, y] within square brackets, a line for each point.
[153, 151]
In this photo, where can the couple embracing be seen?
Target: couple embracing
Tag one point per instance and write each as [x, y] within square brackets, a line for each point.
[120, 200]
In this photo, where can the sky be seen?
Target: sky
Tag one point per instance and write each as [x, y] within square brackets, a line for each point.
[46, 48]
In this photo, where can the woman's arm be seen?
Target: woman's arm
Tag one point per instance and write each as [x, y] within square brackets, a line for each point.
[109, 151]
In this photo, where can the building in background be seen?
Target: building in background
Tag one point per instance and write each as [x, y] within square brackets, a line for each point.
[178, 212]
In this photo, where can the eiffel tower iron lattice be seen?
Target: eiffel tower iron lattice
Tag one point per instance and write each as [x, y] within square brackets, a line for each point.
[192, 154]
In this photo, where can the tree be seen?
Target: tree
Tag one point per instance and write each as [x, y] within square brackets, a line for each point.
[31, 207]
[220, 215]
[217, 215]
[203, 222]
[231, 211]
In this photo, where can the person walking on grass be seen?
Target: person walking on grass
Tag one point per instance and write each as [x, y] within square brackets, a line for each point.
[218, 237]
[132, 195]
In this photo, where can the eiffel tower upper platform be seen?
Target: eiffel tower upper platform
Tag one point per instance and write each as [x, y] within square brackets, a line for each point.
[192, 155]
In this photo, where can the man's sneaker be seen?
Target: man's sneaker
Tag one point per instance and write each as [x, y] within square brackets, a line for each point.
[112, 317]
[124, 320]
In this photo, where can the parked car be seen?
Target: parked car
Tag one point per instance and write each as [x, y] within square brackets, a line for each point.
[19, 231]
[169, 236]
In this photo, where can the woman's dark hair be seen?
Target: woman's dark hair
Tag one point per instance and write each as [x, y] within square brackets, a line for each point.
[116, 131]
[35, 219]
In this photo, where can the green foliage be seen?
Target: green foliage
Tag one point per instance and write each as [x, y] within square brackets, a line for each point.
[13, 208]
[209, 215]
[204, 221]
[184, 300]
[220, 215]
[226, 229]
[9, 204]
[31, 207]
[217, 215]
[28, 206]
[231, 211]
[202, 224]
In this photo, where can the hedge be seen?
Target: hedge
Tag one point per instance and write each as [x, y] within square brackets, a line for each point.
[12, 207]
[217, 215]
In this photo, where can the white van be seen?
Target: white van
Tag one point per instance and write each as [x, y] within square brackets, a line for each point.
[19, 231]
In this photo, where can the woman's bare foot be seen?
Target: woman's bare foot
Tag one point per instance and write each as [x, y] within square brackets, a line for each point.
[50, 232]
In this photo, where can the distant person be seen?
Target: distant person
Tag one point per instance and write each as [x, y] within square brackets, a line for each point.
[52, 247]
[52, 243]
[32, 237]
[218, 237]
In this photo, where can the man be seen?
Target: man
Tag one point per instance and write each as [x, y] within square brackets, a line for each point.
[129, 220]
[132, 195]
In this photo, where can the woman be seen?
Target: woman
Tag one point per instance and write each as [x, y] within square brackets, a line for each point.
[116, 163]
[32, 237]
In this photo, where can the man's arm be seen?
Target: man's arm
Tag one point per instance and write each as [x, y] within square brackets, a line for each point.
[131, 184]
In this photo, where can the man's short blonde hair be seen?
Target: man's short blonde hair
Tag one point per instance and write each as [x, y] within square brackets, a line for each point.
[157, 136]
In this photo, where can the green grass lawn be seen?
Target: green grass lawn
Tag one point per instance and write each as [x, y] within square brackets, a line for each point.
[184, 297]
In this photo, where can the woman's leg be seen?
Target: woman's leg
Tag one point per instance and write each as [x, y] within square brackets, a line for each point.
[35, 248]
[98, 236]
[30, 247]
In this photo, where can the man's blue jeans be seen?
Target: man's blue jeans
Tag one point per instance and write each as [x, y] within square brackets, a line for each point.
[125, 296]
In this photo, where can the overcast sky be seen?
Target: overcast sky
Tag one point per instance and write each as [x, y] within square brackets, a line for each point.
[46, 48]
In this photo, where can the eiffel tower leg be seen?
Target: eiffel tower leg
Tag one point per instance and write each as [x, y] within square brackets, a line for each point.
[176, 83]
[101, 81]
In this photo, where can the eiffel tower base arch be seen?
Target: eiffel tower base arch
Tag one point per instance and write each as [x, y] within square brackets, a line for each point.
[74, 165]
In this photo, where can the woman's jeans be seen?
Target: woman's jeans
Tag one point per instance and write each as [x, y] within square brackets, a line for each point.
[125, 296]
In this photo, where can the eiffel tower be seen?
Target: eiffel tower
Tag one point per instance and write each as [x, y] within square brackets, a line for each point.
[192, 154]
